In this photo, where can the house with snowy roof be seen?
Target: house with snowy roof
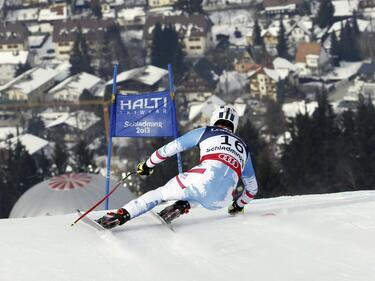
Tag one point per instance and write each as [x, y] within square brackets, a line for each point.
[72, 88]
[200, 112]
[363, 25]
[131, 17]
[160, 3]
[271, 33]
[300, 31]
[23, 15]
[9, 62]
[65, 32]
[264, 83]
[8, 132]
[289, 7]
[200, 82]
[33, 144]
[142, 79]
[367, 8]
[312, 59]
[72, 126]
[245, 62]
[194, 32]
[345, 8]
[30, 86]
[13, 37]
[53, 12]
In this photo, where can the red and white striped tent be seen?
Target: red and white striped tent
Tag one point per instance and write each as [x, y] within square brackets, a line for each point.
[65, 194]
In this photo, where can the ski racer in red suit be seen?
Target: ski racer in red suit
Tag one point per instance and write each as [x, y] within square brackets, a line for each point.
[224, 159]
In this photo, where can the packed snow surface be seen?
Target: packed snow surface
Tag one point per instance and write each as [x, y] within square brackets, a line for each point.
[316, 237]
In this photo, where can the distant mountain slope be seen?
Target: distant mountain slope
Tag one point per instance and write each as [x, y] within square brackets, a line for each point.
[317, 237]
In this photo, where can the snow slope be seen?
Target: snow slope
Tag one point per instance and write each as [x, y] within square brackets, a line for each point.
[316, 237]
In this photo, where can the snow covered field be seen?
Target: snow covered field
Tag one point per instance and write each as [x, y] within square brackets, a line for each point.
[316, 237]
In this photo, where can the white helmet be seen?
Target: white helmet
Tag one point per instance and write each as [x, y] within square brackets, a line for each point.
[226, 113]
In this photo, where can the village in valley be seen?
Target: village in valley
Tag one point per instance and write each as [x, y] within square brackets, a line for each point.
[57, 58]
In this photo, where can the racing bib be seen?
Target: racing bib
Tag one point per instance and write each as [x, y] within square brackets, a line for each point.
[224, 147]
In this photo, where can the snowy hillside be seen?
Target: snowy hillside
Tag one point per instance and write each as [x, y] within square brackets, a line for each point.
[317, 237]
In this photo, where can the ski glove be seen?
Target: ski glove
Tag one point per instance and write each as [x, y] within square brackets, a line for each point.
[234, 209]
[143, 170]
[111, 219]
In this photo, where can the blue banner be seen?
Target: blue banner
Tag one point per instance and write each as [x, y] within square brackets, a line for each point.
[143, 115]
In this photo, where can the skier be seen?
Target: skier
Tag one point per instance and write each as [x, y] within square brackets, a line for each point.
[224, 159]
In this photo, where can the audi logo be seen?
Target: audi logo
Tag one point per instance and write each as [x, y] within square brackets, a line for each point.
[229, 159]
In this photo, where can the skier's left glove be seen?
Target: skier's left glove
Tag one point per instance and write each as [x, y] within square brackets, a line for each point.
[234, 209]
[144, 170]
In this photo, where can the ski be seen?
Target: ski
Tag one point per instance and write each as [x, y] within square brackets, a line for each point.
[91, 222]
[157, 216]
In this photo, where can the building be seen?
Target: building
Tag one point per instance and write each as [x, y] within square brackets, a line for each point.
[194, 32]
[264, 83]
[312, 59]
[160, 3]
[142, 79]
[200, 82]
[72, 126]
[65, 32]
[71, 88]
[9, 62]
[30, 86]
[132, 17]
[301, 31]
[33, 144]
[273, 7]
[13, 37]
[26, 15]
[56, 12]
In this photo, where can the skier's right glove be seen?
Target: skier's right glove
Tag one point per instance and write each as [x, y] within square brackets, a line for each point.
[111, 219]
[234, 209]
[144, 170]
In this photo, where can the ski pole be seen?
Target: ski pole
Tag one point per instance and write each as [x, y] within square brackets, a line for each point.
[104, 198]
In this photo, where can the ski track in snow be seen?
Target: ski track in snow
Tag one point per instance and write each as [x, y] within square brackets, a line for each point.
[314, 237]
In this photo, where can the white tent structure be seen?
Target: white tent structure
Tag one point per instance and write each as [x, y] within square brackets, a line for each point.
[65, 194]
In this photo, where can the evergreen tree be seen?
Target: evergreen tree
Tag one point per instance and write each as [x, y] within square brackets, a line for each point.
[158, 53]
[335, 50]
[80, 59]
[106, 58]
[309, 159]
[282, 42]
[21, 68]
[365, 140]
[113, 50]
[257, 38]
[189, 6]
[120, 53]
[35, 125]
[274, 118]
[326, 133]
[166, 49]
[347, 167]
[298, 154]
[350, 52]
[325, 13]
[83, 156]
[96, 8]
[20, 172]
[355, 38]
[269, 178]
[60, 158]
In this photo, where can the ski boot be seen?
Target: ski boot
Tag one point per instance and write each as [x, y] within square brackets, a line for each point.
[179, 208]
[111, 219]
